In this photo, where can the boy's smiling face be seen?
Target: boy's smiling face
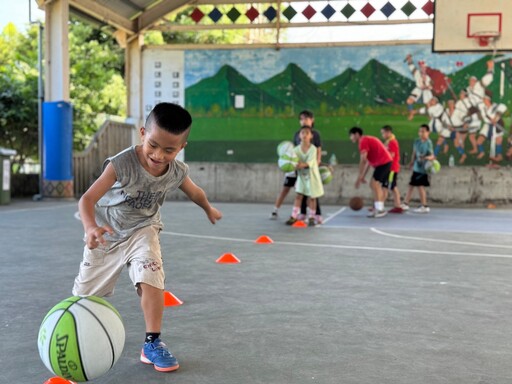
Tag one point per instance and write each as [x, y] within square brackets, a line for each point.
[159, 148]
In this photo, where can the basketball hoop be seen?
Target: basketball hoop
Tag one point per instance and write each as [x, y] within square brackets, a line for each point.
[484, 38]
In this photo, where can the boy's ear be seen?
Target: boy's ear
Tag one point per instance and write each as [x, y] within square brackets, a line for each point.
[184, 144]
[142, 131]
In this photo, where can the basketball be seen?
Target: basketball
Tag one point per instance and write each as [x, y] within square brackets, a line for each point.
[325, 174]
[287, 163]
[285, 148]
[356, 203]
[432, 167]
[81, 338]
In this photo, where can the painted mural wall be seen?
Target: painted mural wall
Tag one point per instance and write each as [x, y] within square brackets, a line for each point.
[245, 101]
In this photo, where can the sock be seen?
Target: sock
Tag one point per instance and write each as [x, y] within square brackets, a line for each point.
[480, 148]
[460, 150]
[295, 212]
[379, 205]
[311, 213]
[151, 337]
[437, 149]
[276, 209]
[499, 149]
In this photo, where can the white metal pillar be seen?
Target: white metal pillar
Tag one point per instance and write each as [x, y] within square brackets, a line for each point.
[133, 76]
[56, 51]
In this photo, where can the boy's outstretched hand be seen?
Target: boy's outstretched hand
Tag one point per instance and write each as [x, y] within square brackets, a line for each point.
[213, 214]
[94, 236]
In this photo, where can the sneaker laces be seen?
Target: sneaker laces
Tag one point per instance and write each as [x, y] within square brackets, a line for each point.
[162, 350]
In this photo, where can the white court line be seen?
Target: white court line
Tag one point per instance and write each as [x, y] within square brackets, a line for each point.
[334, 215]
[38, 208]
[335, 246]
[416, 230]
[208, 237]
[375, 230]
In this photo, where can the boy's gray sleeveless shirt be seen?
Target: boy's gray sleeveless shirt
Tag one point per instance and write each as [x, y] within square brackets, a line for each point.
[134, 201]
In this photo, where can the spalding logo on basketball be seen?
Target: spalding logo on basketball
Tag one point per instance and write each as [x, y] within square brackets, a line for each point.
[81, 338]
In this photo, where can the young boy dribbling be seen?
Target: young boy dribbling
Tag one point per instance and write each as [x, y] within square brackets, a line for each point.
[309, 181]
[120, 213]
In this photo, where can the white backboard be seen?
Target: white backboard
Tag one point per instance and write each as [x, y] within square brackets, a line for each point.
[470, 26]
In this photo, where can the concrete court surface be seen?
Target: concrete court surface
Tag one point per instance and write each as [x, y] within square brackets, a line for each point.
[402, 299]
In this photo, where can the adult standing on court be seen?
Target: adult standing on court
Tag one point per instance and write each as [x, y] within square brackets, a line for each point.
[373, 153]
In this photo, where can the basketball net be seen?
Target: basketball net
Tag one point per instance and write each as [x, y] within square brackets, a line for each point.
[487, 39]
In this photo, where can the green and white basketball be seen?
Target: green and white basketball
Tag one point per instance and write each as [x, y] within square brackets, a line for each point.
[433, 166]
[81, 338]
[285, 148]
[287, 163]
[325, 174]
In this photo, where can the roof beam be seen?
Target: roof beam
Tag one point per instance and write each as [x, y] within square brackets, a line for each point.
[202, 27]
[104, 14]
[155, 13]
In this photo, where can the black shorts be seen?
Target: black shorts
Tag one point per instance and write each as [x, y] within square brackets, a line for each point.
[289, 181]
[381, 173]
[391, 182]
[419, 180]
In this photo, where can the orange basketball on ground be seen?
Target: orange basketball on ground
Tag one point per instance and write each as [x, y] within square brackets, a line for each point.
[356, 203]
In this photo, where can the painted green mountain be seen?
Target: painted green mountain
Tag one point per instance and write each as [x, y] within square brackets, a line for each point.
[336, 86]
[297, 89]
[374, 84]
[221, 89]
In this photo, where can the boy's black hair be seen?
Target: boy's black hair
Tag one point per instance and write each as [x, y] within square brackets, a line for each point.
[387, 128]
[355, 130]
[427, 128]
[307, 113]
[169, 117]
[306, 127]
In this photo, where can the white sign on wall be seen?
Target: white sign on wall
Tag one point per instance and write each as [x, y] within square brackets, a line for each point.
[163, 80]
[6, 179]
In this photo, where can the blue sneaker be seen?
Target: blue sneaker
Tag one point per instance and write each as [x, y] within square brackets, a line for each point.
[156, 353]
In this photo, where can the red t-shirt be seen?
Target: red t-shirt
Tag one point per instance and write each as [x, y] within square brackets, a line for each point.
[377, 154]
[394, 148]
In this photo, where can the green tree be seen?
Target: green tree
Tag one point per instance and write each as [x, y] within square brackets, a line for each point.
[18, 93]
[97, 87]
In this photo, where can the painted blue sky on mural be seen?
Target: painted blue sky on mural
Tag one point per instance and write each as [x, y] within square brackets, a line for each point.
[260, 64]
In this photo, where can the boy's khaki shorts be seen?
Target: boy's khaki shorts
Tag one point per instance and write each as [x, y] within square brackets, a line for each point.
[101, 267]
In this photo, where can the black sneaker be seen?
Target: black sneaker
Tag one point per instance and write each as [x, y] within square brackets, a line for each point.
[291, 221]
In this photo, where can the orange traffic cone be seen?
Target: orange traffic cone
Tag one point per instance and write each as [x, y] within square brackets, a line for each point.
[299, 224]
[264, 239]
[170, 300]
[58, 380]
[228, 258]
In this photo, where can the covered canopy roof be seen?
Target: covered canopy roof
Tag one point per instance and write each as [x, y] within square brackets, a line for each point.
[136, 16]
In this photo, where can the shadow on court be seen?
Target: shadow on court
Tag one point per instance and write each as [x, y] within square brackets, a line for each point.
[402, 299]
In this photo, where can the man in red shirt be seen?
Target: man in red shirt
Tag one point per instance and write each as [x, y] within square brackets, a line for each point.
[393, 148]
[373, 153]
